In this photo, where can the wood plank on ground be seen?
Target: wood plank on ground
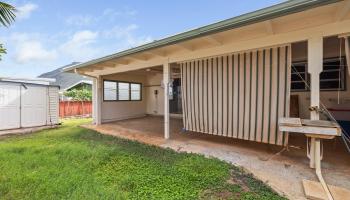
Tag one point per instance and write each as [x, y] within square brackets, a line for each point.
[313, 190]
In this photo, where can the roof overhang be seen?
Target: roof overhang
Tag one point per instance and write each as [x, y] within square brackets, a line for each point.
[211, 35]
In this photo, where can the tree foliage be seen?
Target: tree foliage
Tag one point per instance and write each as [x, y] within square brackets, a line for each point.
[79, 95]
[7, 17]
[2, 50]
[7, 14]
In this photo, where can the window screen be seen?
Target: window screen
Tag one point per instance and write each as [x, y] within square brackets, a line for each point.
[331, 78]
[135, 91]
[121, 91]
[333, 75]
[299, 76]
[110, 91]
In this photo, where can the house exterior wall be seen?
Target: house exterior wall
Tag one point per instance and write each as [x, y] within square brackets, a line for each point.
[118, 110]
[154, 102]
[328, 98]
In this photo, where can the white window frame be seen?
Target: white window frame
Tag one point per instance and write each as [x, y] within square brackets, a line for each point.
[117, 91]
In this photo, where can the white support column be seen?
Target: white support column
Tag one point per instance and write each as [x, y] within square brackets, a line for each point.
[166, 80]
[96, 100]
[315, 67]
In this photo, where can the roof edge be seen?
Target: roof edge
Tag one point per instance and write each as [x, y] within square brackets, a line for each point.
[48, 80]
[278, 10]
[77, 83]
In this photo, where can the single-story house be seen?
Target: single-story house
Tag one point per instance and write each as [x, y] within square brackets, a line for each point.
[68, 81]
[234, 78]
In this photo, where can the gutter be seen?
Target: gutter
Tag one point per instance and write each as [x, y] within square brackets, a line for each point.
[40, 81]
[282, 9]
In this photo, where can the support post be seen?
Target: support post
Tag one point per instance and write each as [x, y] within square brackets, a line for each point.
[315, 65]
[166, 80]
[96, 100]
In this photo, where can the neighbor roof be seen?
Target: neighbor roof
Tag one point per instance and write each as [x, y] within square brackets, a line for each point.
[278, 10]
[64, 79]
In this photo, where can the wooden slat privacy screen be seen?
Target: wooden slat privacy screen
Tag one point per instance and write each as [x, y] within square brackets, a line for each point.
[240, 95]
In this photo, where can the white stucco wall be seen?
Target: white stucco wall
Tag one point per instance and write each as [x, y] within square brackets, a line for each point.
[118, 110]
[155, 103]
[151, 103]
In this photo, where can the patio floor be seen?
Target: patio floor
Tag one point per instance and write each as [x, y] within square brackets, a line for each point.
[283, 172]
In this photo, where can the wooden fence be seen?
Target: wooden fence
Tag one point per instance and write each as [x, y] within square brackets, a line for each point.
[75, 108]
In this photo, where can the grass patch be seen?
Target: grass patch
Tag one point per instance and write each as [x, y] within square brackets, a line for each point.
[74, 163]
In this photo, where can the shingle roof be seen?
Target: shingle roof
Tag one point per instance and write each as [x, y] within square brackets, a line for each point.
[64, 79]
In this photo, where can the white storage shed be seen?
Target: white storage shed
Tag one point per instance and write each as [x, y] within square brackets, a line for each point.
[28, 103]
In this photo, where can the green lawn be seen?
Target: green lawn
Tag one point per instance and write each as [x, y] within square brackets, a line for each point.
[74, 163]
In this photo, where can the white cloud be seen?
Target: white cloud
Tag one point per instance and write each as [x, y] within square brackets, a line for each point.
[33, 51]
[28, 49]
[119, 31]
[83, 45]
[126, 36]
[112, 14]
[78, 47]
[107, 15]
[24, 11]
[84, 37]
[79, 20]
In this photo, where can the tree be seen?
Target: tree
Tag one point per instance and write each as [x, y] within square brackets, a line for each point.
[2, 50]
[7, 14]
[79, 95]
[7, 17]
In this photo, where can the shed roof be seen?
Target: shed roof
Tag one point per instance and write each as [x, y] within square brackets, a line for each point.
[36, 81]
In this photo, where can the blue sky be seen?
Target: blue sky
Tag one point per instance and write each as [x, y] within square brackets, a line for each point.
[50, 34]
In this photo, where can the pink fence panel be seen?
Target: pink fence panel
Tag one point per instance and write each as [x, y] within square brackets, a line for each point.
[75, 108]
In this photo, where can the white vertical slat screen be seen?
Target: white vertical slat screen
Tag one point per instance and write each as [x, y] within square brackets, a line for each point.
[239, 95]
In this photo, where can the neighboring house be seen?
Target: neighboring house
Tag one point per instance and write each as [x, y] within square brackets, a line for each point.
[68, 81]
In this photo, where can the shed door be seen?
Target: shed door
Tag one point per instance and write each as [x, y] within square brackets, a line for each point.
[9, 106]
[34, 104]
